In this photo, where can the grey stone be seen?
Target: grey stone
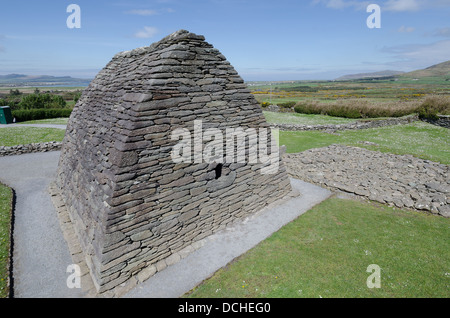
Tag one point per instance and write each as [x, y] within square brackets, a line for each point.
[403, 181]
[131, 204]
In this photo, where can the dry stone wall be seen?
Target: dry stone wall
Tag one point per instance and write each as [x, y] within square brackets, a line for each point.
[29, 148]
[132, 206]
[360, 124]
[441, 120]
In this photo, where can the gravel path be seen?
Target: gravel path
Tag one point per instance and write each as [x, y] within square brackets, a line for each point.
[404, 181]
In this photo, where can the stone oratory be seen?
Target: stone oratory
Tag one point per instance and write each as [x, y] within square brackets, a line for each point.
[131, 204]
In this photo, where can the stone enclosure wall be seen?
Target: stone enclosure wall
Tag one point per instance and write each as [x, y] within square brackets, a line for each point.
[131, 204]
[442, 120]
[30, 148]
[360, 124]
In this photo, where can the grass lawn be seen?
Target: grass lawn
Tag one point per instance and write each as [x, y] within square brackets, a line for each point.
[419, 139]
[54, 121]
[12, 136]
[5, 217]
[326, 252]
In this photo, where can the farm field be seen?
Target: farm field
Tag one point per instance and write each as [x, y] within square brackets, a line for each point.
[358, 98]
[326, 91]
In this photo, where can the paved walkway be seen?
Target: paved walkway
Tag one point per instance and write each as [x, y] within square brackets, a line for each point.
[41, 255]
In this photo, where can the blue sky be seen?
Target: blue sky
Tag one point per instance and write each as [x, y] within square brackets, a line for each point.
[262, 39]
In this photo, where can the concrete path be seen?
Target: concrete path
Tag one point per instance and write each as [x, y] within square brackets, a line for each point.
[41, 255]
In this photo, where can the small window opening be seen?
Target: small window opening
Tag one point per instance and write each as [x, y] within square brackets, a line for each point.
[218, 170]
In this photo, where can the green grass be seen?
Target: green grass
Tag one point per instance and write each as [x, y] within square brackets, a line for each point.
[419, 139]
[303, 119]
[5, 224]
[54, 121]
[326, 252]
[12, 136]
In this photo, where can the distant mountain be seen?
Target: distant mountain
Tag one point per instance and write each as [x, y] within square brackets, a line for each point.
[438, 70]
[380, 74]
[14, 80]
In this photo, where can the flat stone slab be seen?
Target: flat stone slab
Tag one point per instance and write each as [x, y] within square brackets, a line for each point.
[41, 254]
[403, 181]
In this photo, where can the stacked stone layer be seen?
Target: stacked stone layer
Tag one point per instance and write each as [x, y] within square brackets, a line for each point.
[400, 180]
[29, 148]
[131, 204]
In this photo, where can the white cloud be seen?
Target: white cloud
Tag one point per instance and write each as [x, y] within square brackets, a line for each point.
[143, 12]
[414, 5]
[417, 56]
[342, 4]
[146, 33]
[445, 32]
[386, 5]
[402, 5]
[404, 29]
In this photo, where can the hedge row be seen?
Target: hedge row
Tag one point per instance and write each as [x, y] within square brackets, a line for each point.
[35, 114]
[356, 108]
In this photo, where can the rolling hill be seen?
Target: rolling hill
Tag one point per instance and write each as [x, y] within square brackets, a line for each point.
[441, 71]
[437, 70]
[381, 74]
[14, 80]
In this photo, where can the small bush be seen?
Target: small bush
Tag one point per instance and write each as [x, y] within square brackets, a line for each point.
[265, 104]
[287, 104]
[35, 114]
[434, 105]
[307, 108]
[37, 101]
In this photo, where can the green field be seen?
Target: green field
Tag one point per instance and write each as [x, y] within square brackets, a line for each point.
[54, 121]
[418, 139]
[360, 98]
[326, 252]
[12, 136]
[380, 90]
